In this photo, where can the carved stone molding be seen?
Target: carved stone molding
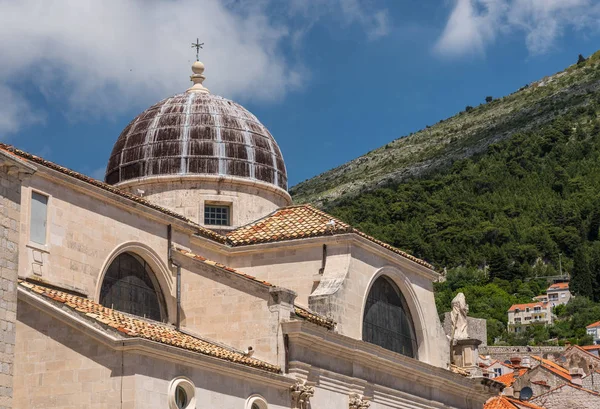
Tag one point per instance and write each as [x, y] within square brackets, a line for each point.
[301, 394]
[358, 402]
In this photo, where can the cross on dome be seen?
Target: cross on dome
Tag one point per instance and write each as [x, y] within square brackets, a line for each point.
[198, 69]
[197, 45]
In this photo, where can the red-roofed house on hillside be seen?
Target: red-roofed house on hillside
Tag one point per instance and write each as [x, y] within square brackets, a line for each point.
[212, 290]
[521, 315]
[594, 331]
[558, 294]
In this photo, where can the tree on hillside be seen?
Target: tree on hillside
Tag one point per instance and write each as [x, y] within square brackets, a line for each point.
[489, 99]
[581, 59]
[499, 265]
[582, 281]
[468, 108]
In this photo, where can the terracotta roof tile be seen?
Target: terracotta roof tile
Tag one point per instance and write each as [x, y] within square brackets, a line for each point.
[530, 305]
[553, 367]
[298, 222]
[523, 404]
[559, 286]
[509, 378]
[301, 312]
[104, 186]
[150, 330]
[505, 402]
[594, 325]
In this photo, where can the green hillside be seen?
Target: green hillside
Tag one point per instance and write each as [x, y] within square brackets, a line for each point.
[458, 137]
[516, 208]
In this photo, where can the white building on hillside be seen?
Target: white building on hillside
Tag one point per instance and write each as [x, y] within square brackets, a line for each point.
[558, 294]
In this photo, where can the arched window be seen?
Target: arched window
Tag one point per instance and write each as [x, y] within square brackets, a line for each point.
[130, 286]
[387, 321]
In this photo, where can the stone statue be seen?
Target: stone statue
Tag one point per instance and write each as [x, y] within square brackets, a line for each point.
[301, 394]
[458, 315]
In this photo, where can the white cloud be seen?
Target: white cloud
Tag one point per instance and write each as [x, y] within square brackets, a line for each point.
[101, 58]
[474, 24]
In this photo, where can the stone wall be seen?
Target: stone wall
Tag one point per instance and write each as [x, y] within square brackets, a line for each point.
[502, 353]
[60, 367]
[10, 215]
[476, 328]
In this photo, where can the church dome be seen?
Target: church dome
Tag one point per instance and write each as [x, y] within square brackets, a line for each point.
[196, 133]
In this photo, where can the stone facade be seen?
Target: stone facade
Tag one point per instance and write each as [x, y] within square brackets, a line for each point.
[592, 381]
[12, 171]
[248, 200]
[227, 297]
[568, 397]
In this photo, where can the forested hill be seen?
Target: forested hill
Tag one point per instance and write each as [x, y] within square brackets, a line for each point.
[523, 207]
[461, 136]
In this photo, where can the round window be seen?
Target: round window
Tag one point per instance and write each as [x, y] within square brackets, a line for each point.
[182, 394]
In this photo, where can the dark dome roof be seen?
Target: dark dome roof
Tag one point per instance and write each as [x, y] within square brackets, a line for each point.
[196, 134]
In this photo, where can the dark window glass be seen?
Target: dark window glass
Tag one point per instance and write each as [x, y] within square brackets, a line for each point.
[181, 399]
[387, 321]
[216, 215]
[129, 287]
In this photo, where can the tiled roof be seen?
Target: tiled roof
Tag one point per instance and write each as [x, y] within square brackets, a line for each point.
[140, 328]
[314, 318]
[287, 223]
[553, 367]
[591, 347]
[299, 222]
[509, 378]
[504, 402]
[594, 325]
[301, 312]
[559, 286]
[530, 305]
[76, 175]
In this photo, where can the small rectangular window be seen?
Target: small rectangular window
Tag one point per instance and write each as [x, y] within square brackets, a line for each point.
[38, 219]
[215, 215]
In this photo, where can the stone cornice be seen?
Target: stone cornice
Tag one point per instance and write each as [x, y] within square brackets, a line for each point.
[154, 349]
[377, 358]
[16, 165]
[232, 180]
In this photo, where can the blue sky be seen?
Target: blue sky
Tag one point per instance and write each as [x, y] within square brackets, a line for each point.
[331, 79]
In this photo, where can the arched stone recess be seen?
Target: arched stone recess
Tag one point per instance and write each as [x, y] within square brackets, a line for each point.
[162, 274]
[405, 286]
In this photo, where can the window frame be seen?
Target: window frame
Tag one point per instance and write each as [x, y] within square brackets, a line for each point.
[407, 313]
[217, 205]
[149, 271]
[189, 388]
[30, 241]
[258, 400]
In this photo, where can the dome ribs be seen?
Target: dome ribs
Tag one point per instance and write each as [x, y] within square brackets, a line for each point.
[196, 133]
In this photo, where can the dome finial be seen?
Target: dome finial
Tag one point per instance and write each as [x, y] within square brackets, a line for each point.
[198, 69]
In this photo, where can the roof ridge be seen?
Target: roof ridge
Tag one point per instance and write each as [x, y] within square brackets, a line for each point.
[301, 311]
[110, 188]
[572, 385]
